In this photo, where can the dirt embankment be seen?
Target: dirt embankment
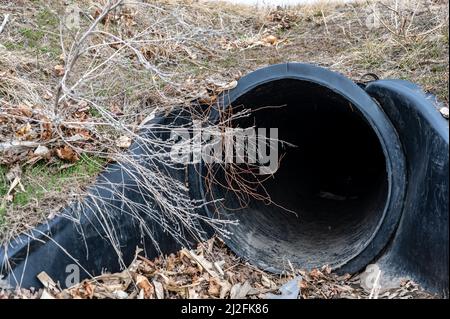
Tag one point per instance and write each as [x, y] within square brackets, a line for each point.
[72, 94]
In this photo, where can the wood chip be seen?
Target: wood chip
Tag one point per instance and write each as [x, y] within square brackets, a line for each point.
[48, 282]
[159, 290]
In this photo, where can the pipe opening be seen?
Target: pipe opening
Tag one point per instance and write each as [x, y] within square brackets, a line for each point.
[335, 180]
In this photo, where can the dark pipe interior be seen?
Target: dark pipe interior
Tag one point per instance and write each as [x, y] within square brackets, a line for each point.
[335, 180]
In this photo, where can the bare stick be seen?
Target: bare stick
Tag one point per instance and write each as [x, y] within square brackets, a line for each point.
[77, 47]
[5, 21]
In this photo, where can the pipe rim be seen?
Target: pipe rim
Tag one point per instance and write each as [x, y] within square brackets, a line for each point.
[375, 117]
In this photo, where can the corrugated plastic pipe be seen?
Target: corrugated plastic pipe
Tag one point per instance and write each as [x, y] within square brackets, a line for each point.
[367, 182]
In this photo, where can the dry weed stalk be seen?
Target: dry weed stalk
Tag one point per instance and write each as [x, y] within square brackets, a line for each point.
[101, 53]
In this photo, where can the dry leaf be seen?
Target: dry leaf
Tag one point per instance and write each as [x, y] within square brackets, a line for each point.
[230, 85]
[143, 283]
[326, 269]
[214, 287]
[317, 283]
[89, 289]
[266, 282]
[82, 106]
[208, 99]
[15, 171]
[239, 291]
[25, 110]
[202, 262]
[85, 134]
[115, 109]
[225, 289]
[24, 130]
[304, 285]
[67, 154]
[192, 294]
[47, 95]
[46, 131]
[315, 274]
[270, 39]
[59, 70]
[8, 197]
[148, 52]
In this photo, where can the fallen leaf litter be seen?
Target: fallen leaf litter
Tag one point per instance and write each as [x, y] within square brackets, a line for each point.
[211, 271]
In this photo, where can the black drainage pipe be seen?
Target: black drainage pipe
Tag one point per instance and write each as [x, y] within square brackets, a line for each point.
[368, 181]
[345, 179]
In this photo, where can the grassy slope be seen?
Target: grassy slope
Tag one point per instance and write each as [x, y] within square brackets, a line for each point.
[46, 185]
[336, 37]
[46, 188]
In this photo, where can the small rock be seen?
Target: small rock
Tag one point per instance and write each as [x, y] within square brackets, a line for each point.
[370, 278]
[444, 112]
[41, 150]
[123, 142]
[289, 290]
[119, 294]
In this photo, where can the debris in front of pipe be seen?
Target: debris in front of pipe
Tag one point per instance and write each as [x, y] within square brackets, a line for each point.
[289, 290]
[212, 271]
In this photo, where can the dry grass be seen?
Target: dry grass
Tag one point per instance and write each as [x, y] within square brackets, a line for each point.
[84, 92]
